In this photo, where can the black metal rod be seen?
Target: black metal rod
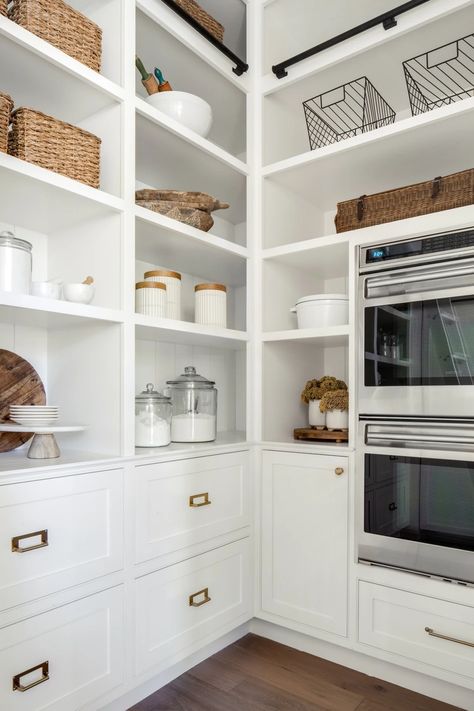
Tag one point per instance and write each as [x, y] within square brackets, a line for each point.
[387, 20]
[240, 65]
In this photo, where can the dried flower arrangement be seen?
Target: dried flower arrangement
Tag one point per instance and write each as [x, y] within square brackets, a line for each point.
[315, 389]
[334, 400]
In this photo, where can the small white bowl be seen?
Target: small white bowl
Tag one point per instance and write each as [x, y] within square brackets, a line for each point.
[46, 289]
[188, 109]
[79, 293]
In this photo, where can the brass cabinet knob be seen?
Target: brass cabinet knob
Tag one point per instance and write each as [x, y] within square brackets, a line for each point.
[338, 471]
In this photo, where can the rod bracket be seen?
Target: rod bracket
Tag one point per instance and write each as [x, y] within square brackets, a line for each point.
[279, 71]
[389, 23]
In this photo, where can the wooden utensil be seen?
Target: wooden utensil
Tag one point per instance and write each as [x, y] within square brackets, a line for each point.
[163, 84]
[88, 280]
[148, 80]
[20, 384]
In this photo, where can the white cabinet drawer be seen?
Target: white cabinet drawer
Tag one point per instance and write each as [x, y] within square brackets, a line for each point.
[80, 646]
[78, 522]
[398, 622]
[180, 504]
[170, 622]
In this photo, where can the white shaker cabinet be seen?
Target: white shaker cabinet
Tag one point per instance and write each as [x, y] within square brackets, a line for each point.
[304, 540]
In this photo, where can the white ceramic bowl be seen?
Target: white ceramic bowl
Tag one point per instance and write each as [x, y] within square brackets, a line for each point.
[46, 289]
[188, 109]
[79, 293]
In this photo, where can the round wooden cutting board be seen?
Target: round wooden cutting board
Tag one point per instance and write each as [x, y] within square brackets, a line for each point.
[20, 384]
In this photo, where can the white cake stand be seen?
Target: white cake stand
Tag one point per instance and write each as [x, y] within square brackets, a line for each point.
[43, 445]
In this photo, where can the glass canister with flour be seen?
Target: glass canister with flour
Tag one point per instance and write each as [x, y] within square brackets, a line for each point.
[152, 418]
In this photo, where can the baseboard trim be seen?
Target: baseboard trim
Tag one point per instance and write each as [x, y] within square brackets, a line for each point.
[401, 676]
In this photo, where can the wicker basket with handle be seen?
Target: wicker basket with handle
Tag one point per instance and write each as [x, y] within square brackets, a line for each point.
[56, 145]
[6, 106]
[441, 193]
[203, 18]
[60, 25]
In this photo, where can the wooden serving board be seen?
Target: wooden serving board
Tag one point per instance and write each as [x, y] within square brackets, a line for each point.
[196, 201]
[20, 384]
[311, 434]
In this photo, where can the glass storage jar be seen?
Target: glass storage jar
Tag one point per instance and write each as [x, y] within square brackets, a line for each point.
[152, 418]
[194, 404]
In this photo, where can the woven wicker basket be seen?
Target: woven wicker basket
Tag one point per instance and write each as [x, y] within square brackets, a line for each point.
[3, 7]
[62, 26]
[205, 20]
[443, 193]
[53, 144]
[6, 106]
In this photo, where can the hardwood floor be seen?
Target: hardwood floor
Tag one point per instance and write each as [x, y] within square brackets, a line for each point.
[255, 674]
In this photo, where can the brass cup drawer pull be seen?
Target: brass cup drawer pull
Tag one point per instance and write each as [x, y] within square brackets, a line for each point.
[198, 500]
[338, 471]
[204, 594]
[42, 535]
[18, 686]
[432, 633]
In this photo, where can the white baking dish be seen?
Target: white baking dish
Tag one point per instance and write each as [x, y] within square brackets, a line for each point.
[322, 310]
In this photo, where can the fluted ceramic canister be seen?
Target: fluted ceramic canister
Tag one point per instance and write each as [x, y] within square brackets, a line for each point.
[211, 305]
[173, 289]
[150, 298]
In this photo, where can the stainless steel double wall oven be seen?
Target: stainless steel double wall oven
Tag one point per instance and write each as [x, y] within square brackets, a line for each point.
[415, 322]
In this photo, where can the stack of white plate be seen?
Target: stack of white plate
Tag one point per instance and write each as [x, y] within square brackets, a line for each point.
[34, 415]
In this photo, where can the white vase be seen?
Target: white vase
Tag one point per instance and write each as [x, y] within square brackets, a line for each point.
[337, 420]
[316, 418]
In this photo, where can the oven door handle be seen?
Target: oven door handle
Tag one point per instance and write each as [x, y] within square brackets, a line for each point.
[394, 437]
[408, 276]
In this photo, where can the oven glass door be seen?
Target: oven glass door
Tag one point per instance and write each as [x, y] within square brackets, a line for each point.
[426, 342]
[420, 499]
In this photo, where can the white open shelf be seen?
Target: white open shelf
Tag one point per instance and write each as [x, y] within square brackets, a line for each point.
[191, 64]
[322, 22]
[165, 161]
[43, 200]
[40, 75]
[198, 48]
[183, 332]
[197, 449]
[311, 185]
[162, 241]
[25, 310]
[323, 337]
[174, 127]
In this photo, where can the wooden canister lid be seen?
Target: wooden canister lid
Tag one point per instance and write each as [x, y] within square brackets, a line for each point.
[150, 285]
[210, 287]
[162, 273]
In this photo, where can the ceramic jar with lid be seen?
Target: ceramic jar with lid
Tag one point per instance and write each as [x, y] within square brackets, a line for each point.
[15, 264]
[194, 405]
[152, 418]
[173, 289]
[150, 299]
[211, 305]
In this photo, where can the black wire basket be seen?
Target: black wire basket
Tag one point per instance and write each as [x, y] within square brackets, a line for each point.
[442, 76]
[349, 110]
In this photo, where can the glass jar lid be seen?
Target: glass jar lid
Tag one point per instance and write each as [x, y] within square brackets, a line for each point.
[191, 379]
[151, 395]
[8, 239]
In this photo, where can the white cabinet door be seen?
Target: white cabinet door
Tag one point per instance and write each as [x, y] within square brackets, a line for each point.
[180, 607]
[422, 628]
[304, 539]
[77, 522]
[180, 504]
[64, 658]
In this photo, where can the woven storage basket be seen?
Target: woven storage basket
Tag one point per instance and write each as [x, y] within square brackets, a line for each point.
[53, 144]
[60, 25]
[6, 106]
[442, 193]
[203, 18]
[3, 7]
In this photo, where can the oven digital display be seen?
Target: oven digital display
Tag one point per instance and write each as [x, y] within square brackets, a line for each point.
[375, 254]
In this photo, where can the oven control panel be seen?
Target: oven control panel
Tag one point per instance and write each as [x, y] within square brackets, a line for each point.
[426, 245]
